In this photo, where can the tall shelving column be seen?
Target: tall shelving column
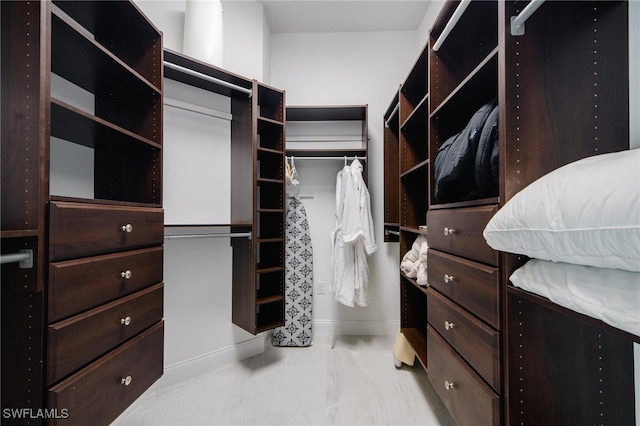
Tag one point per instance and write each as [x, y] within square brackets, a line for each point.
[464, 297]
[413, 202]
[258, 197]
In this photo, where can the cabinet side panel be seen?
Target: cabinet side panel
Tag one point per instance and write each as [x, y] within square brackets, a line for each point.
[242, 161]
[574, 373]
[24, 109]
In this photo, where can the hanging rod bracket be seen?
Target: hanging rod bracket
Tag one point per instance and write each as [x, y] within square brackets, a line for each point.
[517, 22]
[24, 258]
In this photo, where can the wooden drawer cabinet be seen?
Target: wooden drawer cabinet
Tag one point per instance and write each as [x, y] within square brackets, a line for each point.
[470, 284]
[78, 285]
[78, 340]
[467, 397]
[97, 394]
[459, 231]
[79, 229]
[476, 342]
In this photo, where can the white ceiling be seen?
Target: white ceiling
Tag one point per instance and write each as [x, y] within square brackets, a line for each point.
[307, 16]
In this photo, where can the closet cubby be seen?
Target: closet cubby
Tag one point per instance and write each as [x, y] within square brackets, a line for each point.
[413, 318]
[558, 102]
[270, 284]
[414, 89]
[413, 198]
[82, 86]
[270, 135]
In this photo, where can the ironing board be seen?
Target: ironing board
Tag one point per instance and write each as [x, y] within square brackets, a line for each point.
[298, 280]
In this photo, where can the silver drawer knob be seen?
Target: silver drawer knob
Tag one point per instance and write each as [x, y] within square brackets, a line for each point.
[448, 278]
[126, 380]
[127, 228]
[127, 274]
[448, 325]
[125, 321]
[448, 385]
[448, 231]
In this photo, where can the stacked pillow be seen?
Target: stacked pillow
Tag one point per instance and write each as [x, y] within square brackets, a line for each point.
[586, 213]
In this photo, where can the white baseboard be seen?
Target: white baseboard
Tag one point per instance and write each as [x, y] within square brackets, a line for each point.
[201, 364]
[322, 329]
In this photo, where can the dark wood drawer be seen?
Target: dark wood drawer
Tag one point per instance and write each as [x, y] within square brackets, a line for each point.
[472, 285]
[467, 397]
[76, 341]
[459, 231]
[79, 230]
[476, 342]
[78, 285]
[97, 394]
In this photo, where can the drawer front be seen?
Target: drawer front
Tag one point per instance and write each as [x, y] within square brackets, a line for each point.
[78, 340]
[476, 342]
[79, 230]
[472, 285]
[459, 231]
[78, 285]
[470, 400]
[97, 394]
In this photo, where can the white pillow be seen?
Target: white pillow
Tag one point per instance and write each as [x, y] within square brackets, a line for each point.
[610, 295]
[587, 213]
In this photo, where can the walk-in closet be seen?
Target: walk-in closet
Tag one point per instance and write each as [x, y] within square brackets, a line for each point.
[256, 212]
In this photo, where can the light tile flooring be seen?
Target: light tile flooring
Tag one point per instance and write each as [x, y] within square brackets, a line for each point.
[353, 383]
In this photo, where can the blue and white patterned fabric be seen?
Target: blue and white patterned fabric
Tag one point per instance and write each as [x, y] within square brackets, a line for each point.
[298, 280]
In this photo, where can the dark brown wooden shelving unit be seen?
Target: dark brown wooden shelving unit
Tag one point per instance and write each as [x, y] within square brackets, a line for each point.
[96, 254]
[257, 188]
[544, 82]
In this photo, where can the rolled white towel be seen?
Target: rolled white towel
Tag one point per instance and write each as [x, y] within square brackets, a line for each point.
[421, 276]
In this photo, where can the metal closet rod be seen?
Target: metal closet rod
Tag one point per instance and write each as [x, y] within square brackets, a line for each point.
[24, 257]
[208, 78]
[212, 235]
[395, 110]
[451, 24]
[342, 157]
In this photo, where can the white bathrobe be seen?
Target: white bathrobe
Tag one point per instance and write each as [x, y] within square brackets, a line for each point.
[353, 239]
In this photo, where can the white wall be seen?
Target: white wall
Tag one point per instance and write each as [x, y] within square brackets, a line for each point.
[245, 33]
[349, 69]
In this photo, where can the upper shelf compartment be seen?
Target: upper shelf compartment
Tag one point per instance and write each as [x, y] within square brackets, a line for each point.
[110, 23]
[414, 90]
[334, 131]
[270, 104]
[468, 42]
[122, 96]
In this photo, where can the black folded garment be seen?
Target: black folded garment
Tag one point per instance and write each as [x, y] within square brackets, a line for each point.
[455, 160]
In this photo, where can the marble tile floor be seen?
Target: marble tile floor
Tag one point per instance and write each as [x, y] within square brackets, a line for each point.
[353, 383]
